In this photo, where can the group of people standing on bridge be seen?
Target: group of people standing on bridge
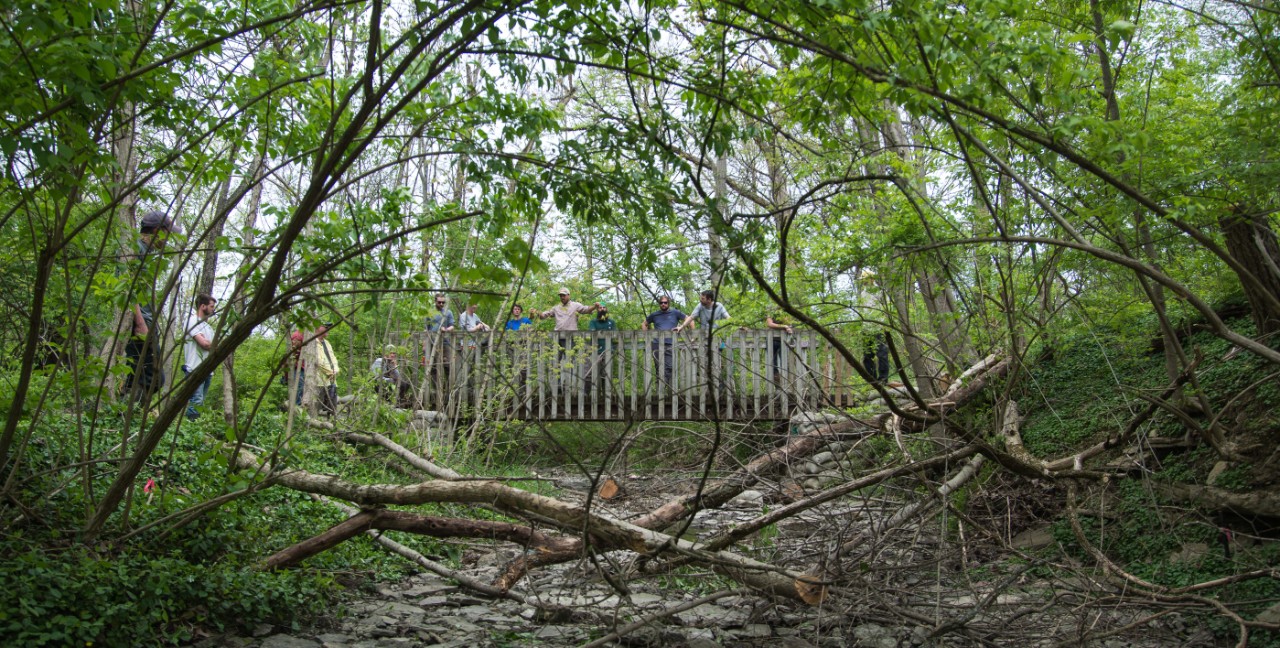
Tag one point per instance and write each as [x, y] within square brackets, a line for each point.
[708, 313]
[566, 316]
[146, 376]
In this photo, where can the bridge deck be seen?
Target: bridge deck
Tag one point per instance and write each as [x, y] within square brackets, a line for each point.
[624, 375]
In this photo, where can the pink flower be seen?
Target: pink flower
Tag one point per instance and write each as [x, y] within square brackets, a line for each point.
[151, 485]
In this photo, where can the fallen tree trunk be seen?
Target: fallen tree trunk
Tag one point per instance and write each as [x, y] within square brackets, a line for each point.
[462, 579]
[1255, 503]
[604, 533]
[436, 527]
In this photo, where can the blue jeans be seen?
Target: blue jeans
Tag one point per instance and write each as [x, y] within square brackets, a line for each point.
[197, 399]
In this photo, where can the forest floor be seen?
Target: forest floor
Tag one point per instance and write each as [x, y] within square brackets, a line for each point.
[700, 610]
[1000, 566]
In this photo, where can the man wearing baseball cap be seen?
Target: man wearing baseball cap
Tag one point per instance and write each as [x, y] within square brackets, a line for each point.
[567, 312]
[142, 351]
[566, 315]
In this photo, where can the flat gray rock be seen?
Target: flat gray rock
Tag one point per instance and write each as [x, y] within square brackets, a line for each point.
[333, 640]
[287, 641]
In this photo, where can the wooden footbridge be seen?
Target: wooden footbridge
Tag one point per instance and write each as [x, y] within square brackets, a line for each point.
[629, 375]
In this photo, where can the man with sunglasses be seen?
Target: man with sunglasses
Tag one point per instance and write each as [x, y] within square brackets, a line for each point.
[435, 352]
[665, 318]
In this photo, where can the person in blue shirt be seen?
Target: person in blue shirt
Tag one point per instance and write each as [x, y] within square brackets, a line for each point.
[665, 318]
[518, 319]
[443, 319]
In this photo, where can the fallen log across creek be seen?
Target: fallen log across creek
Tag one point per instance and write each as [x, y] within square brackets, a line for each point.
[606, 533]
[590, 530]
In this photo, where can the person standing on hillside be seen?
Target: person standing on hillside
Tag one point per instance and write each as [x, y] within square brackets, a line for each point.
[392, 384]
[293, 363]
[875, 353]
[197, 342]
[327, 371]
[142, 351]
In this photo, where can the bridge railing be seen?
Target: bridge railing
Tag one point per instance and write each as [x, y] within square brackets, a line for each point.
[629, 375]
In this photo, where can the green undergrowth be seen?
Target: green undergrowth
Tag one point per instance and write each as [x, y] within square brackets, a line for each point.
[1090, 386]
[75, 598]
[1087, 388]
[1171, 546]
[152, 580]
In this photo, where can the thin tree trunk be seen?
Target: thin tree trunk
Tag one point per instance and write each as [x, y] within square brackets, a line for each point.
[1174, 359]
[125, 221]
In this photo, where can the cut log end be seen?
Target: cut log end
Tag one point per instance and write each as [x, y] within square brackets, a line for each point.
[610, 489]
[810, 590]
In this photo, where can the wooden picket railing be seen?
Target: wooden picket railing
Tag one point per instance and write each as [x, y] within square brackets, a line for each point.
[623, 375]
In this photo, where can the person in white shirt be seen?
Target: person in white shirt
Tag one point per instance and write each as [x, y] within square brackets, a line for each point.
[197, 341]
[566, 312]
[470, 322]
[387, 371]
[707, 313]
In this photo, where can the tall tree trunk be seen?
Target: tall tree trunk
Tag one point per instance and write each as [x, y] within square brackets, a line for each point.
[895, 291]
[426, 176]
[209, 241]
[929, 282]
[230, 404]
[1251, 241]
[714, 246]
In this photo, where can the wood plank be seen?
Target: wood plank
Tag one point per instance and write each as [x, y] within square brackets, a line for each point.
[612, 348]
[540, 361]
[672, 389]
[785, 364]
[755, 373]
[729, 371]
